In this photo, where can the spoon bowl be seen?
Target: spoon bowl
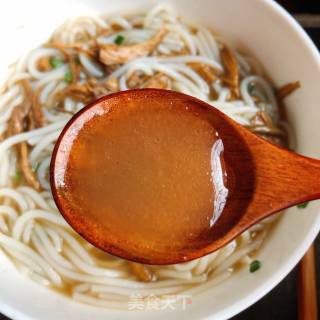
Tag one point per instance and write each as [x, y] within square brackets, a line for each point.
[171, 224]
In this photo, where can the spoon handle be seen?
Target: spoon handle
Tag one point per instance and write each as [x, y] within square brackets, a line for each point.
[282, 179]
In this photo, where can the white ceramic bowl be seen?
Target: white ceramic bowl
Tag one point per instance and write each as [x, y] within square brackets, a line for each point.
[271, 34]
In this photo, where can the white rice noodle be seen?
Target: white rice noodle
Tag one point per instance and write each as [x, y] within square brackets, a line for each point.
[35, 214]
[5, 116]
[46, 91]
[15, 245]
[121, 22]
[268, 91]
[42, 173]
[42, 145]
[92, 68]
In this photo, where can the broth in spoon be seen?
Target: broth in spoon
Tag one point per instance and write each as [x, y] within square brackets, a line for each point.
[143, 174]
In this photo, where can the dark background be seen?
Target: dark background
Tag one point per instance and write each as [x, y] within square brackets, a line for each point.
[281, 302]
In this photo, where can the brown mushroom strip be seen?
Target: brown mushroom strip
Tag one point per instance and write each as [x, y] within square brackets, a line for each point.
[208, 73]
[261, 119]
[262, 125]
[287, 89]
[74, 67]
[231, 77]
[38, 115]
[28, 173]
[18, 117]
[142, 272]
[33, 100]
[158, 81]
[30, 122]
[110, 54]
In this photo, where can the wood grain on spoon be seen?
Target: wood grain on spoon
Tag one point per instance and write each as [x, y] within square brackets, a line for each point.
[139, 175]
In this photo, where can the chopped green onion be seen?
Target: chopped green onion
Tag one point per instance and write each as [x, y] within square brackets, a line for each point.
[56, 62]
[68, 77]
[303, 205]
[255, 265]
[18, 176]
[119, 39]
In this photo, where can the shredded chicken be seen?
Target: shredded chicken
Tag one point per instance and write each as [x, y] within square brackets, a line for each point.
[158, 81]
[137, 79]
[110, 54]
[112, 84]
[99, 89]
[231, 77]
[287, 89]
[142, 272]
[78, 92]
[90, 90]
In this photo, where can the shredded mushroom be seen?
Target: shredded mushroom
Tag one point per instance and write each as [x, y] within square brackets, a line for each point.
[205, 71]
[287, 89]
[32, 99]
[231, 77]
[18, 118]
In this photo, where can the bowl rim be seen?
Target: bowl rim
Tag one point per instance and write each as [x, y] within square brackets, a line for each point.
[283, 270]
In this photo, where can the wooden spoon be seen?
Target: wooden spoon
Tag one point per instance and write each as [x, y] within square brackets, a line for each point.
[112, 165]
